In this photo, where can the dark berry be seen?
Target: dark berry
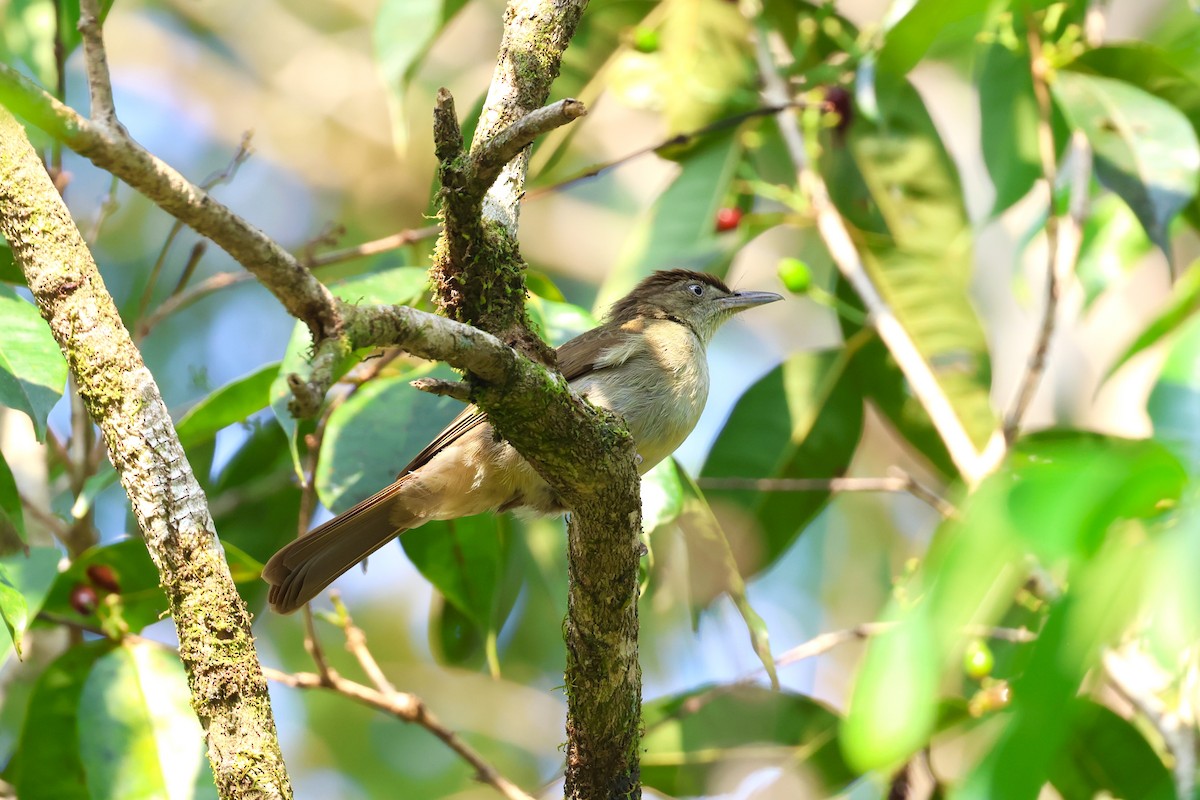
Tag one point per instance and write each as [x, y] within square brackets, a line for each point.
[103, 577]
[84, 599]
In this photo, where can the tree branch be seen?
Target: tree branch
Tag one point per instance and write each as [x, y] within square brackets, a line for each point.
[96, 63]
[213, 625]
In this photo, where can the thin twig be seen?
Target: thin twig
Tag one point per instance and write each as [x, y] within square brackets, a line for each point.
[407, 708]
[491, 157]
[1063, 235]
[678, 140]
[456, 389]
[107, 207]
[899, 482]
[356, 643]
[841, 248]
[1140, 680]
[393, 242]
[96, 63]
[177, 302]
[57, 527]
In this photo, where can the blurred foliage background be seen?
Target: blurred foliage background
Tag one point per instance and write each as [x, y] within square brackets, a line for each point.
[1040, 638]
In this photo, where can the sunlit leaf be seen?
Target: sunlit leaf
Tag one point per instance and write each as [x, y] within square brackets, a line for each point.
[1113, 244]
[692, 737]
[404, 31]
[32, 370]
[1145, 149]
[662, 495]
[705, 62]
[558, 321]
[139, 738]
[463, 559]
[1183, 303]
[48, 764]
[924, 22]
[893, 709]
[228, 405]
[14, 611]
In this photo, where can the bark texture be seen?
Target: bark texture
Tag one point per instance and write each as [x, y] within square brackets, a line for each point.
[229, 693]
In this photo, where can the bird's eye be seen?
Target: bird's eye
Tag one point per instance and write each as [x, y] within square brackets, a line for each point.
[696, 289]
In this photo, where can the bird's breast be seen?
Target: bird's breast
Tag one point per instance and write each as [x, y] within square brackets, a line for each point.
[659, 388]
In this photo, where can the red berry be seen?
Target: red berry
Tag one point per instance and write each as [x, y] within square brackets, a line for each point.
[102, 577]
[84, 599]
[728, 219]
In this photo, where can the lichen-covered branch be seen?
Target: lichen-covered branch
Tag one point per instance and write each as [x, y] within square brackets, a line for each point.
[229, 692]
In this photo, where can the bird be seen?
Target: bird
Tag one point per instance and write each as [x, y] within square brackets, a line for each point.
[646, 362]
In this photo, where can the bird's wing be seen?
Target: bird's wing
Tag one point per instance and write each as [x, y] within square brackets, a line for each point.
[587, 352]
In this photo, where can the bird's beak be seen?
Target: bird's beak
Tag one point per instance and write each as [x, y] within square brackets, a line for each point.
[739, 301]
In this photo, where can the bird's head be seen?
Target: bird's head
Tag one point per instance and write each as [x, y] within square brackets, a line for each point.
[696, 299]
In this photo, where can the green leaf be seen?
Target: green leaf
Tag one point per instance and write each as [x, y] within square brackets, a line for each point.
[462, 558]
[802, 420]
[29, 32]
[1161, 73]
[9, 271]
[899, 190]
[1183, 303]
[404, 31]
[32, 370]
[228, 405]
[1009, 125]
[705, 63]
[374, 434]
[558, 321]
[31, 577]
[692, 738]
[908, 39]
[141, 600]
[399, 286]
[1174, 403]
[1113, 245]
[12, 515]
[679, 230]
[13, 608]
[138, 735]
[893, 708]
[1145, 149]
[1106, 754]
[48, 765]
[662, 495]
[1078, 500]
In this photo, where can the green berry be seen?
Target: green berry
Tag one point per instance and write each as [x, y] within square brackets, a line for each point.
[978, 659]
[645, 40]
[796, 275]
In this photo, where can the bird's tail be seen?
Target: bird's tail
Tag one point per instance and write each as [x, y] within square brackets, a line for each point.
[299, 571]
